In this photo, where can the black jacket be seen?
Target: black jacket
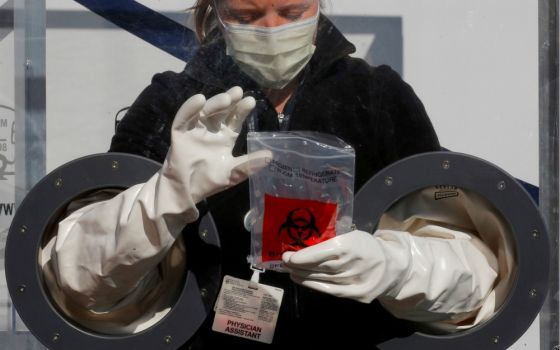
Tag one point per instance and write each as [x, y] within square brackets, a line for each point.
[370, 108]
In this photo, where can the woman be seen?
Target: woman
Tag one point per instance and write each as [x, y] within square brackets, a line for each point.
[286, 63]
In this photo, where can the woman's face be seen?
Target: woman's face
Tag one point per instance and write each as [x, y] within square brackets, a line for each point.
[266, 13]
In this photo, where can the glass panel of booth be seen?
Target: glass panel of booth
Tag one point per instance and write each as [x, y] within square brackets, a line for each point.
[21, 41]
[7, 154]
[7, 181]
[475, 68]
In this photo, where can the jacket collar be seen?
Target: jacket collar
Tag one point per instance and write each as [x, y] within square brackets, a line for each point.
[211, 66]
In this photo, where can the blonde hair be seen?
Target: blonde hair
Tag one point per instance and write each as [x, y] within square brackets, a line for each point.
[205, 18]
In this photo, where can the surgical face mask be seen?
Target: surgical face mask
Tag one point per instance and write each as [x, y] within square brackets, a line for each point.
[271, 56]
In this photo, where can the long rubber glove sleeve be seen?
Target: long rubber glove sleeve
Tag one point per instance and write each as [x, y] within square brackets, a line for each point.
[424, 279]
[103, 250]
[446, 280]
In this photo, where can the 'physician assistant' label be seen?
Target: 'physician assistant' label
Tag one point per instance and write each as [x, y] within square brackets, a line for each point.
[247, 309]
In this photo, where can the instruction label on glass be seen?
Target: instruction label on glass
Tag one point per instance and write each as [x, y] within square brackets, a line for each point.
[247, 309]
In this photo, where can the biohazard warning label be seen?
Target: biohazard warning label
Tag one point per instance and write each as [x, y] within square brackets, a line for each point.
[247, 309]
[292, 224]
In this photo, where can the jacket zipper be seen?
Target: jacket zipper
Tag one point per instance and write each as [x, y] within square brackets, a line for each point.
[295, 291]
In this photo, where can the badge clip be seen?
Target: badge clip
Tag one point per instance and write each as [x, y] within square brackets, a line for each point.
[256, 274]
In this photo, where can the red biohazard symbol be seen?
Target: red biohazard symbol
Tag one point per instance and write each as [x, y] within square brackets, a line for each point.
[293, 224]
[300, 226]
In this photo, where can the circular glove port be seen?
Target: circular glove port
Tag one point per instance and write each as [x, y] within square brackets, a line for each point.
[488, 191]
[49, 317]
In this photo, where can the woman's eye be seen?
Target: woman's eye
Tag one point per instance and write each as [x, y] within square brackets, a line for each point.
[245, 19]
[242, 17]
[293, 15]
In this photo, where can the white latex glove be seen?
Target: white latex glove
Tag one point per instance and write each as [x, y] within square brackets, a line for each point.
[103, 250]
[436, 278]
[199, 162]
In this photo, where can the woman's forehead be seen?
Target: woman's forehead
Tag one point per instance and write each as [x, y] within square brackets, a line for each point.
[264, 3]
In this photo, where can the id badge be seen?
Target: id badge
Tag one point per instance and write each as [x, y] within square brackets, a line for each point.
[247, 309]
